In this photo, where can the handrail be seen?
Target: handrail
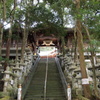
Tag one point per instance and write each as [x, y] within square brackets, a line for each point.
[45, 84]
[61, 76]
[30, 75]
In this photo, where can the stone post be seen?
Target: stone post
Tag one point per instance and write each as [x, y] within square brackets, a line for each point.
[69, 92]
[19, 95]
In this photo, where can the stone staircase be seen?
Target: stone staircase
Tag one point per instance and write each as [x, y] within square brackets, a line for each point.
[54, 89]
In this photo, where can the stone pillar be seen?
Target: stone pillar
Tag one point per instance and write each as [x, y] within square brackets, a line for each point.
[19, 95]
[69, 92]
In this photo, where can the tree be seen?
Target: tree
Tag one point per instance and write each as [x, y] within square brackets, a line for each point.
[86, 87]
[92, 49]
[90, 23]
[2, 17]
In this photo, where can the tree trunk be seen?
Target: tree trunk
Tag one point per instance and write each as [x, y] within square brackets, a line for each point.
[86, 87]
[24, 42]
[8, 43]
[16, 51]
[75, 47]
[92, 62]
[8, 46]
[4, 10]
[63, 45]
[1, 35]
[15, 4]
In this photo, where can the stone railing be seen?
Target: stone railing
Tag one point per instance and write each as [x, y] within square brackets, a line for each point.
[62, 76]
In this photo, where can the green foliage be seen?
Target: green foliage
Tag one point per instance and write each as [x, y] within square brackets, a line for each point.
[15, 37]
[4, 59]
[11, 92]
[52, 1]
[9, 5]
[89, 15]
[5, 98]
[1, 58]
[1, 95]
[1, 10]
[42, 15]
[95, 44]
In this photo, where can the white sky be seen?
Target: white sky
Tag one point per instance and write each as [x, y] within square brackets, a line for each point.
[6, 26]
[35, 1]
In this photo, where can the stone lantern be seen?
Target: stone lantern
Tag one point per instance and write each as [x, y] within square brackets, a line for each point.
[78, 83]
[17, 71]
[71, 71]
[23, 69]
[7, 79]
